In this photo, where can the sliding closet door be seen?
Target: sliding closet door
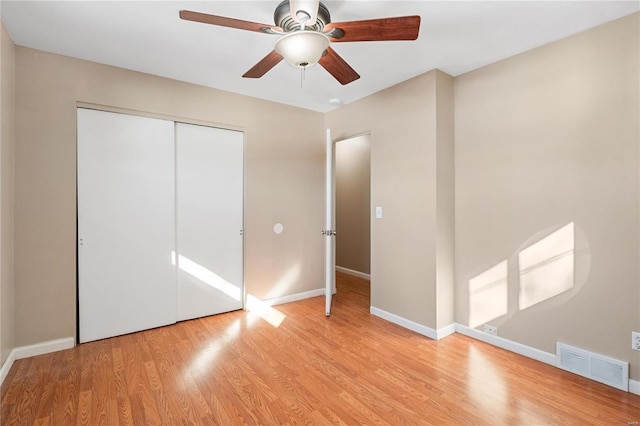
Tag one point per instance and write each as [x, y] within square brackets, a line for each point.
[209, 213]
[126, 224]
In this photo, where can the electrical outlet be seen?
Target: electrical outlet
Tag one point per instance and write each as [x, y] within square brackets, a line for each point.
[635, 340]
[489, 329]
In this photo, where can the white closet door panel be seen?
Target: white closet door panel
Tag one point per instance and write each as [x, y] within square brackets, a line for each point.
[126, 224]
[209, 214]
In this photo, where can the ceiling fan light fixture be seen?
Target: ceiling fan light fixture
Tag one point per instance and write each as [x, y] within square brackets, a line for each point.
[302, 48]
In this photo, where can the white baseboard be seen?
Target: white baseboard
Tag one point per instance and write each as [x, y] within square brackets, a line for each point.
[354, 273]
[446, 331]
[414, 326]
[44, 347]
[294, 297]
[403, 322]
[501, 342]
[34, 350]
[4, 371]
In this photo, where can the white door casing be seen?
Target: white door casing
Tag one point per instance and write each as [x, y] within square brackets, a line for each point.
[329, 229]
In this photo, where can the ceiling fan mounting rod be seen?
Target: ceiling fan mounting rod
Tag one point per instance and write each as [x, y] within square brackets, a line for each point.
[303, 18]
[303, 15]
[283, 19]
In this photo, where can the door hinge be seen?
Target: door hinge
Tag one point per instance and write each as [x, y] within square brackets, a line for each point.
[329, 232]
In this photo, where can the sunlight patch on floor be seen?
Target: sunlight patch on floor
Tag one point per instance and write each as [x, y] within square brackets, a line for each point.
[264, 311]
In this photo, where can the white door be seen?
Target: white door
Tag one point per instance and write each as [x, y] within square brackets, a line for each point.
[329, 231]
[209, 194]
[126, 223]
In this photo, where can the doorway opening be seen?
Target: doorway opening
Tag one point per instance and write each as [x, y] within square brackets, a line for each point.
[353, 210]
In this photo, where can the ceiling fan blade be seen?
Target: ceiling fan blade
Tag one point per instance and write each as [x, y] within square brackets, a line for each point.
[265, 64]
[384, 29]
[222, 21]
[338, 67]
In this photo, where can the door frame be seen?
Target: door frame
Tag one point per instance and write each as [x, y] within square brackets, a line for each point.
[175, 119]
[330, 181]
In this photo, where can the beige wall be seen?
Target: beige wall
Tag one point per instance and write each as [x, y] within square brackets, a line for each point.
[353, 203]
[445, 201]
[545, 139]
[7, 98]
[284, 181]
[402, 121]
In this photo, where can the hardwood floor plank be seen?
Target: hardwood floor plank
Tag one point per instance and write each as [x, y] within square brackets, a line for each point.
[125, 416]
[84, 408]
[111, 417]
[42, 421]
[47, 386]
[155, 384]
[16, 375]
[351, 368]
[63, 410]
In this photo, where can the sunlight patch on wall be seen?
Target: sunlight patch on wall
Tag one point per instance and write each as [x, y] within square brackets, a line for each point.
[285, 282]
[488, 295]
[547, 267]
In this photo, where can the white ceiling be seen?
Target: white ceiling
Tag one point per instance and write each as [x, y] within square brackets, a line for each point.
[455, 37]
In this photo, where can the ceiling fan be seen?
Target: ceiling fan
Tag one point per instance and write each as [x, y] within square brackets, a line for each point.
[306, 31]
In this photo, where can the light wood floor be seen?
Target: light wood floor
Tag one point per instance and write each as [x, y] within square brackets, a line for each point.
[352, 368]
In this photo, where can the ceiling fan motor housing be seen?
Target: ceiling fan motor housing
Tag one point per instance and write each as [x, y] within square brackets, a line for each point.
[283, 19]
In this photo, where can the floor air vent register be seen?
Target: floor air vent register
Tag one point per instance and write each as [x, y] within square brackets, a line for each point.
[597, 367]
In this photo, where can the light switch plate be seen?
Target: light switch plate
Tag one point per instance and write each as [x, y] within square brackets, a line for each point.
[378, 212]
